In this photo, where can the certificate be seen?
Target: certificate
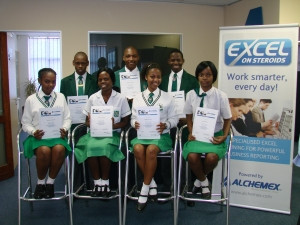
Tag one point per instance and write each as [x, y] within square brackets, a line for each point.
[101, 121]
[76, 104]
[204, 124]
[179, 100]
[50, 121]
[130, 84]
[148, 118]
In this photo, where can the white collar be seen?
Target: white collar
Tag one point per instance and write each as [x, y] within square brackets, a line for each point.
[135, 70]
[179, 74]
[83, 76]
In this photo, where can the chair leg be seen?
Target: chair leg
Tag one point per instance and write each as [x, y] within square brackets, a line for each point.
[125, 189]
[119, 193]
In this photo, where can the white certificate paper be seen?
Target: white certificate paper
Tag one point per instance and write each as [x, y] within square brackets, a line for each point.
[204, 124]
[130, 84]
[148, 118]
[76, 104]
[101, 121]
[179, 100]
[50, 121]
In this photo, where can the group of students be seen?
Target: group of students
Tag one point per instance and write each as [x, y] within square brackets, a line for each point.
[100, 152]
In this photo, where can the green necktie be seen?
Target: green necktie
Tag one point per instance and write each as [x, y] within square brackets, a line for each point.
[80, 85]
[47, 97]
[202, 98]
[150, 99]
[174, 82]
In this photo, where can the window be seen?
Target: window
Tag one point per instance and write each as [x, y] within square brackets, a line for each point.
[96, 51]
[44, 52]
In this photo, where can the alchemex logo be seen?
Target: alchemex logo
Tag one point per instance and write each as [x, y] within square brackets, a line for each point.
[265, 52]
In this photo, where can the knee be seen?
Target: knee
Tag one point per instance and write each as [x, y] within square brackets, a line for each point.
[193, 158]
[152, 151]
[212, 159]
[43, 153]
[138, 151]
[59, 150]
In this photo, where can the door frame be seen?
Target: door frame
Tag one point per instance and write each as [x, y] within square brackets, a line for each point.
[6, 170]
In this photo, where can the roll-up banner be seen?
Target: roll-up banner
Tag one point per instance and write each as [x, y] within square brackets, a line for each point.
[258, 71]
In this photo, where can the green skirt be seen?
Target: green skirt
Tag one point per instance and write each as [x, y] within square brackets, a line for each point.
[31, 143]
[164, 143]
[88, 146]
[204, 147]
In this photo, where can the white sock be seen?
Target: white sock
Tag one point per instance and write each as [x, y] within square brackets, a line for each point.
[144, 191]
[205, 184]
[41, 181]
[50, 180]
[151, 186]
[105, 182]
[197, 183]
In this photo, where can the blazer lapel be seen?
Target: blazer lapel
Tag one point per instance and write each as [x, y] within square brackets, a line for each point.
[72, 83]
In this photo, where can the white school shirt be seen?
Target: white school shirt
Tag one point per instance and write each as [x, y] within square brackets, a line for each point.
[119, 103]
[30, 118]
[166, 104]
[179, 77]
[215, 99]
[134, 71]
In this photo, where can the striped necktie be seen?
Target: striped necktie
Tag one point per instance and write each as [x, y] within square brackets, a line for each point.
[80, 85]
[47, 97]
[174, 82]
[150, 99]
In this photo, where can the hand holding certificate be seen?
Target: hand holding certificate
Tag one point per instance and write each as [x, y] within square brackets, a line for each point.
[50, 121]
[148, 118]
[204, 124]
[101, 121]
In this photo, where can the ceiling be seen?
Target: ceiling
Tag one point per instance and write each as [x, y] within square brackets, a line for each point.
[197, 2]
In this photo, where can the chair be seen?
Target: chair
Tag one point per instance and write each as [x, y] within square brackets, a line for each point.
[133, 193]
[27, 194]
[218, 196]
[83, 192]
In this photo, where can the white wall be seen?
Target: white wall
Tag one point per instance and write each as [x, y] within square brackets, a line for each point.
[198, 24]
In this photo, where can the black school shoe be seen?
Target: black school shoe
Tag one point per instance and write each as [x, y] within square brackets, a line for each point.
[49, 192]
[141, 206]
[39, 192]
[153, 198]
[106, 191]
[195, 189]
[97, 191]
[208, 194]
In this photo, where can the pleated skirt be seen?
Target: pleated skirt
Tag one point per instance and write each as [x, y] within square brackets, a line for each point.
[164, 143]
[204, 147]
[31, 143]
[88, 146]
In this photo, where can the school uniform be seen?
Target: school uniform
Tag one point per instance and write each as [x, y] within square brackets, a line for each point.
[215, 99]
[124, 69]
[69, 85]
[185, 82]
[30, 121]
[167, 115]
[88, 146]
